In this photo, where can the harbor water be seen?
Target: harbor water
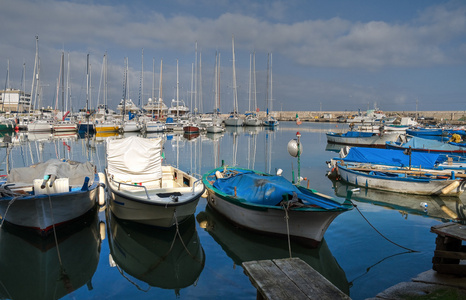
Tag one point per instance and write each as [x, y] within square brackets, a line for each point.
[106, 258]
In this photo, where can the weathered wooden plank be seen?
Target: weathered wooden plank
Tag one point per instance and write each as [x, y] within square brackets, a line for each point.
[311, 282]
[453, 230]
[449, 254]
[290, 279]
[270, 282]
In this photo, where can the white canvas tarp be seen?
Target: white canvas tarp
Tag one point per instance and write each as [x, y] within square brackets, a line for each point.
[134, 159]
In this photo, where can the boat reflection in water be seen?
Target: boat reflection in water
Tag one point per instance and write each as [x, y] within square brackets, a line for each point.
[444, 208]
[32, 268]
[161, 258]
[243, 245]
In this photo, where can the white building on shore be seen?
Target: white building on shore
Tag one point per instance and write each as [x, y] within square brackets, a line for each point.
[12, 100]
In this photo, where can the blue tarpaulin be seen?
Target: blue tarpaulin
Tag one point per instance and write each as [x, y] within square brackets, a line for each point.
[265, 190]
[391, 157]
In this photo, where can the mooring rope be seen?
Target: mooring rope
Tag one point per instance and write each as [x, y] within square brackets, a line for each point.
[410, 250]
[55, 234]
[285, 208]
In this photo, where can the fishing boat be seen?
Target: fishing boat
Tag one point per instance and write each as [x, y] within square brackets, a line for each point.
[271, 204]
[418, 144]
[163, 258]
[48, 195]
[422, 132]
[142, 190]
[361, 138]
[419, 182]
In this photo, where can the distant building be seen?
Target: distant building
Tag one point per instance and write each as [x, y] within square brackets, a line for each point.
[12, 100]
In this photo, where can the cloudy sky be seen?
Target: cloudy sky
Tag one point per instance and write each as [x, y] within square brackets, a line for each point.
[326, 55]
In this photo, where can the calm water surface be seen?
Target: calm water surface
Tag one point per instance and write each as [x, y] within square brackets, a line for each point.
[110, 259]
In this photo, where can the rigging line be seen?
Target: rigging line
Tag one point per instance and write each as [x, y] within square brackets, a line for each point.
[410, 250]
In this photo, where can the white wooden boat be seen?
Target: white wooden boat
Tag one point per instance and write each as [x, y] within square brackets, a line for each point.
[358, 138]
[50, 194]
[142, 190]
[403, 181]
[261, 202]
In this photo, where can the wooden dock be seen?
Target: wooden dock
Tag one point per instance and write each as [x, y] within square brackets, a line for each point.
[290, 278]
[449, 250]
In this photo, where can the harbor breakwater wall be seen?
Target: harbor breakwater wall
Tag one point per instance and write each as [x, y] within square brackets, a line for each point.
[434, 117]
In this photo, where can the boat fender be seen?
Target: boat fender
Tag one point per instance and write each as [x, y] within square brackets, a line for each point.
[101, 189]
[102, 230]
[450, 188]
[218, 174]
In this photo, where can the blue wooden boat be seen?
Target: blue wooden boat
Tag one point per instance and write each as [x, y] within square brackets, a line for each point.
[260, 202]
[427, 145]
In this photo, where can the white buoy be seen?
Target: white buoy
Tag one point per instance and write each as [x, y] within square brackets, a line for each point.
[293, 148]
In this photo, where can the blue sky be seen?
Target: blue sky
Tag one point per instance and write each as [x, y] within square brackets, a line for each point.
[329, 55]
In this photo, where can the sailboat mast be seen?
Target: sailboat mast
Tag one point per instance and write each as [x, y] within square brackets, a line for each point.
[63, 82]
[271, 83]
[254, 74]
[177, 91]
[250, 79]
[34, 75]
[267, 89]
[235, 95]
[87, 85]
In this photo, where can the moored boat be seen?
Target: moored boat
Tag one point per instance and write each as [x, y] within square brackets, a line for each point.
[361, 138]
[47, 195]
[403, 181]
[142, 190]
[260, 202]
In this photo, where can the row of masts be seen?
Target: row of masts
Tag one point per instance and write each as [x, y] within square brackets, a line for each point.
[196, 87]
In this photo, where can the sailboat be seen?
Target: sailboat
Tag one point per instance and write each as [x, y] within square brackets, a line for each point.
[63, 125]
[104, 123]
[38, 125]
[234, 119]
[216, 125]
[156, 108]
[126, 105]
[251, 118]
[269, 120]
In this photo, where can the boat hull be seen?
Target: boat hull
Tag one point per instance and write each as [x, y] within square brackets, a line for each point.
[133, 205]
[406, 185]
[233, 121]
[304, 224]
[375, 140]
[45, 211]
[304, 227]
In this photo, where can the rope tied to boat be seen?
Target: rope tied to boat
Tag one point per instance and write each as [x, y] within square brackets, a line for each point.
[286, 205]
[373, 227]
